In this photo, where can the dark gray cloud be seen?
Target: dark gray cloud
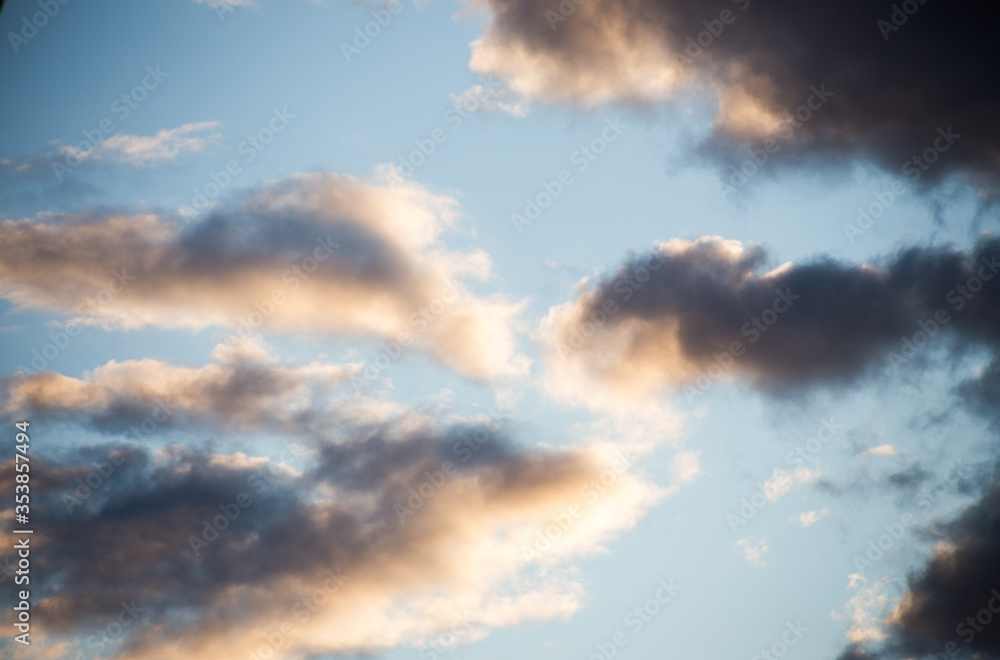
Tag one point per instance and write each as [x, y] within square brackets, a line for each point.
[898, 71]
[983, 392]
[952, 605]
[679, 311]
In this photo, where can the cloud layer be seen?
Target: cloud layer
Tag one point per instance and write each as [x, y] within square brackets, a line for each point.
[896, 75]
[372, 535]
[320, 254]
[245, 388]
[695, 312]
[952, 605]
[419, 533]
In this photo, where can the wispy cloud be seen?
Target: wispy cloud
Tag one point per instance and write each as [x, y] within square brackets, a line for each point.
[134, 150]
[882, 450]
[167, 144]
[810, 518]
[753, 552]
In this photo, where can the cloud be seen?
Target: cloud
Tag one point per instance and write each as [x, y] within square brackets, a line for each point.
[810, 518]
[319, 254]
[866, 609]
[753, 552]
[135, 150]
[946, 608]
[982, 391]
[226, 5]
[164, 145]
[694, 313]
[882, 450]
[479, 96]
[422, 519]
[245, 388]
[759, 62]
[625, 60]
[782, 482]
[377, 544]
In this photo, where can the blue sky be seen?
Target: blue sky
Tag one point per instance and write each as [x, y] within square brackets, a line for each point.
[267, 91]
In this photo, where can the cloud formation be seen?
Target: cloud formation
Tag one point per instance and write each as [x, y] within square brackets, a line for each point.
[136, 150]
[379, 526]
[244, 388]
[897, 73]
[378, 543]
[693, 313]
[952, 605]
[320, 254]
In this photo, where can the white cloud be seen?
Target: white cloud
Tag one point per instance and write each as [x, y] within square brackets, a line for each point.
[882, 450]
[867, 609]
[781, 482]
[810, 518]
[166, 144]
[753, 552]
[214, 4]
[482, 97]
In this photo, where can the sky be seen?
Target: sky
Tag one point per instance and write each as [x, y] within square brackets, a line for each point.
[495, 329]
